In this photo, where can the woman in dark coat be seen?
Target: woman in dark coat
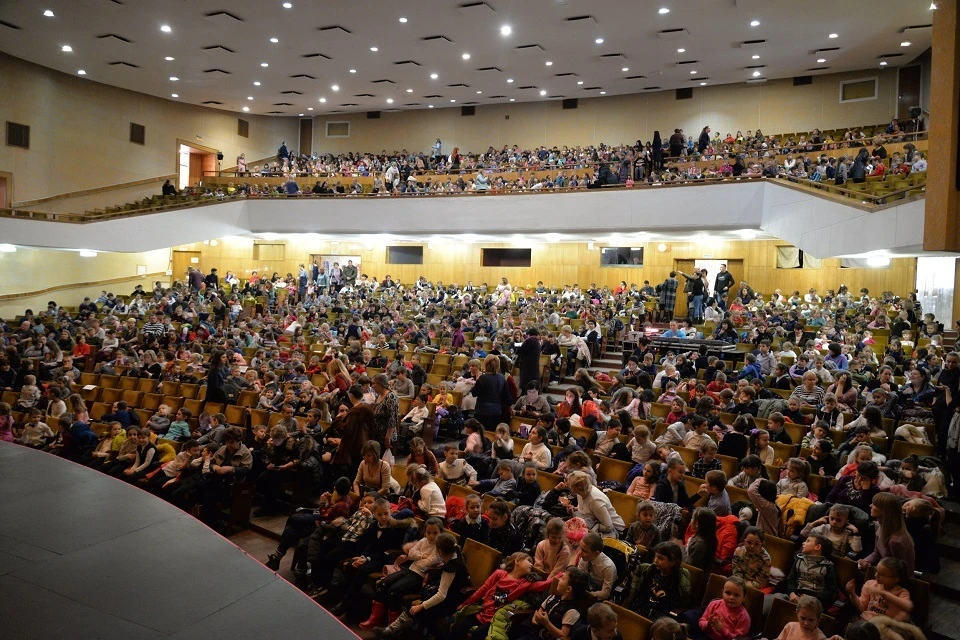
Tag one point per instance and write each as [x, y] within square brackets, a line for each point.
[492, 393]
[657, 152]
[528, 357]
[215, 378]
[858, 172]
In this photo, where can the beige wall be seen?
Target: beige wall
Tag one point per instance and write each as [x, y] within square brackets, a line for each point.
[775, 107]
[563, 263]
[80, 132]
[29, 274]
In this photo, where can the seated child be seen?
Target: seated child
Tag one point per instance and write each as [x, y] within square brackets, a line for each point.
[812, 572]
[715, 488]
[726, 617]
[455, 469]
[36, 433]
[775, 428]
[528, 486]
[750, 469]
[504, 485]
[708, 460]
[837, 528]
[822, 461]
[660, 587]
[472, 525]
[751, 561]
[884, 595]
[641, 449]
[820, 431]
[552, 554]
[600, 568]
[794, 482]
[643, 485]
[807, 626]
[643, 533]
[559, 613]
[602, 625]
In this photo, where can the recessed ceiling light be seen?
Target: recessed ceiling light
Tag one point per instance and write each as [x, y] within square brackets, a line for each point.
[452, 100]
[479, 92]
[335, 87]
[681, 50]
[693, 73]
[249, 97]
[543, 92]
[509, 80]
[174, 95]
[755, 57]
[256, 83]
[833, 35]
[703, 84]
[549, 63]
[353, 70]
[322, 100]
[599, 40]
[374, 49]
[434, 76]
[933, 7]
[409, 90]
[48, 13]
[165, 28]
[81, 72]
[274, 40]
[309, 108]
[264, 64]
[883, 64]
[174, 78]
[506, 30]
[603, 93]
[300, 114]
[513, 99]
[663, 11]
[429, 106]
[625, 69]
[579, 81]
[756, 74]
[465, 56]
[389, 100]
[288, 5]
[66, 48]
[403, 20]
[246, 108]
[905, 43]
[169, 58]
[820, 60]
[754, 23]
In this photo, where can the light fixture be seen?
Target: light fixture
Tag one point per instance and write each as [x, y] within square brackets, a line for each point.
[264, 64]
[7, 248]
[429, 106]
[748, 234]
[322, 100]
[353, 70]
[452, 100]
[165, 28]
[465, 56]
[681, 50]
[755, 57]
[374, 49]
[249, 97]
[409, 90]
[625, 69]
[86, 253]
[402, 20]
[933, 7]
[81, 72]
[509, 80]
[833, 35]
[603, 93]
[309, 108]
[661, 247]
[506, 30]
[579, 81]
[434, 76]
[174, 95]
[288, 5]
[754, 23]
[274, 40]
[479, 92]
[48, 13]
[543, 92]
[256, 83]
[389, 100]
[599, 40]
[693, 72]
[300, 114]
[169, 58]
[663, 11]
[756, 74]
[703, 84]
[246, 108]
[883, 64]
[821, 60]
[174, 78]
[66, 48]
[335, 87]
[513, 99]
[549, 63]
[905, 43]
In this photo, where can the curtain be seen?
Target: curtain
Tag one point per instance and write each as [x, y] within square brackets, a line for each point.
[809, 262]
[788, 258]
[855, 263]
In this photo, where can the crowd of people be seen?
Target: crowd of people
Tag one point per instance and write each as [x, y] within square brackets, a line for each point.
[821, 368]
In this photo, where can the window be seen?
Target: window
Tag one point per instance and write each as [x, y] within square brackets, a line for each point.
[338, 129]
[505, 257]
[269, 251]
[621, 257]
[859, 90]
[18, 135]
[243, 128]
[138, 133]
[404, 255]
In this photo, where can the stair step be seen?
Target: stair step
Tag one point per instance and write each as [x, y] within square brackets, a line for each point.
[949, 542]
[944, 616]
[948, 580]
[952, 507]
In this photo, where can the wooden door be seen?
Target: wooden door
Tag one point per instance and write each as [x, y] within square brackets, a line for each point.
[687, 266]
[182, 260]
[196, 168]
[5, 197]
[908, 92]
[306, 136]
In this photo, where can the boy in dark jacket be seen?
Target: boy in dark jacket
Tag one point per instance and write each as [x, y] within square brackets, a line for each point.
[813, 573]
[122, 415]
[528, 487]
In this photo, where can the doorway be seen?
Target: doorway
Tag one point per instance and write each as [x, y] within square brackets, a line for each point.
[306, 136]
[194, 162]
[735, 267]
[909, 81]
[6, 189]
[182, 260]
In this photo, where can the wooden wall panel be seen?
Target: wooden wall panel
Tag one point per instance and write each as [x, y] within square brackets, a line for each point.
[565, 263]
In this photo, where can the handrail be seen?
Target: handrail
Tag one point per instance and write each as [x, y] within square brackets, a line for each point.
[250, 163]
[93, 191]
[428, 173]
[876, 200]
